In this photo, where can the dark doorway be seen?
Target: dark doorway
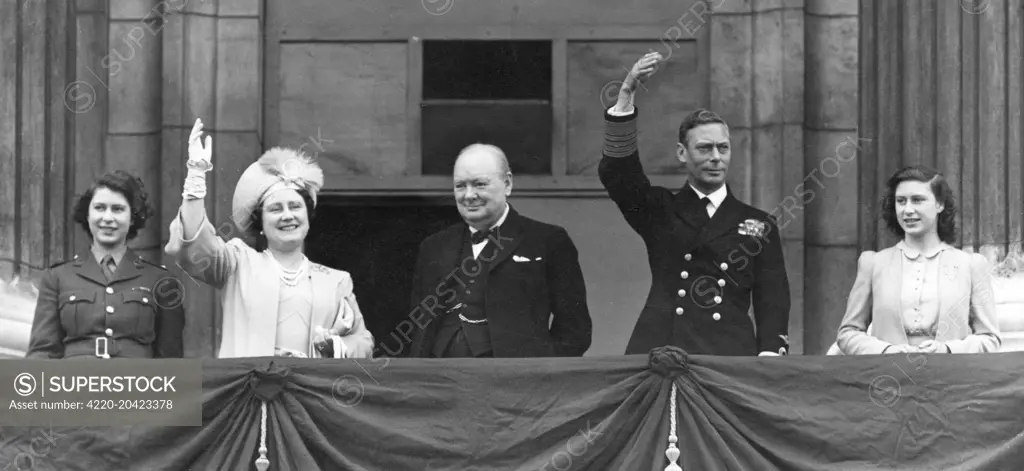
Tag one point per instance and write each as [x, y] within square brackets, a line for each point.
[376, 240]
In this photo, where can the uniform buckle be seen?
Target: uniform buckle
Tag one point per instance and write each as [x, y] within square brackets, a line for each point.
[105, 350]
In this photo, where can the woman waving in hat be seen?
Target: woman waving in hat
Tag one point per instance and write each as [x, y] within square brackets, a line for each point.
[276, 302]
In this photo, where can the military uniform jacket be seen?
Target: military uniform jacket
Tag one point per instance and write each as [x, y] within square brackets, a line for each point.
[137, 314]
[705, 276]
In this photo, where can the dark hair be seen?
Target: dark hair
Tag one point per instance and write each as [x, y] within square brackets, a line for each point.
[256, 222]
[698, 117]
[943, 195]
[129, 186]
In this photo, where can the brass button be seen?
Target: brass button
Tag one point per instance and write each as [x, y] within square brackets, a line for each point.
[110, 309]
[684, 275]
[687, 257]
[718, 300]
[716, 316]
[110, 332]
[679, 311]
[721, 283]
[682, 293]
[72, 298]
[145, 300]
[724, 266]
[110, 290]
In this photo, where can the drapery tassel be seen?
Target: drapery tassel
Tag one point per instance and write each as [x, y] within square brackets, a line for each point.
[672, 453]
[262, 463]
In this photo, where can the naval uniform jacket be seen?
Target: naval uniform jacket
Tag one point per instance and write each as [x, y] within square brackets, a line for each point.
[137, 314]
[705, 276]
[535, 301]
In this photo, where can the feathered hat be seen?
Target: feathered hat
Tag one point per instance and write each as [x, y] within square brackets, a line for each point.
[278, 169]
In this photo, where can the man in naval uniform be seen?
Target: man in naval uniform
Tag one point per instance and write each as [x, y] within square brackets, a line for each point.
[500, 284]
[711, 256]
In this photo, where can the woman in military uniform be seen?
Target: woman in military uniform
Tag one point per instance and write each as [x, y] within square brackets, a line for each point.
[276, 301]
[109, 302]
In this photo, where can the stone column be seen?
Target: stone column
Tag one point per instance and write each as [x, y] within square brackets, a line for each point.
[757, 86]
[829, 189]
[212, 71]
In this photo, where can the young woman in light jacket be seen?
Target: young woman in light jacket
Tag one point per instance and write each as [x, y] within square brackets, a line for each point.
[921, 295]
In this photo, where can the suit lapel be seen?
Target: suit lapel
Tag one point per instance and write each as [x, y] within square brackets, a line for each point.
[89, 268]
[448, 248]
[510, 235]
[724, 219]
[451, 246]
[128, 268]
[686, 206]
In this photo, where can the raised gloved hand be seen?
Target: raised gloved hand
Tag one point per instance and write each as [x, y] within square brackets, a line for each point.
[199, 162]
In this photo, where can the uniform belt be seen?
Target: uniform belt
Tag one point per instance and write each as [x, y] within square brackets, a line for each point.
[95, 348]
[102, 347]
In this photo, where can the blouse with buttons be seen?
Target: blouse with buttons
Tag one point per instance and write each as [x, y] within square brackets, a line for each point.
[919, 296]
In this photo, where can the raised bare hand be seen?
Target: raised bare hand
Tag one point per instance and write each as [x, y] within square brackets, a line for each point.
[642, 70]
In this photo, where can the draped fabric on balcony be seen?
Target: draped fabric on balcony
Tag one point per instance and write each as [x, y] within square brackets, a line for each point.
[794, 413]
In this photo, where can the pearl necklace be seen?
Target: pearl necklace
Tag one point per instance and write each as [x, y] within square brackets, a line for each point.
[292, 277]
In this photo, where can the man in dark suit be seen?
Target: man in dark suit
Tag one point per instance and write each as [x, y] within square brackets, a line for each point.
[712, 257]
[500, 284]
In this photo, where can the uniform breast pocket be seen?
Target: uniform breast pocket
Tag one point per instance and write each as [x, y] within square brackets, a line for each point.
[142, 307]
[72, 306]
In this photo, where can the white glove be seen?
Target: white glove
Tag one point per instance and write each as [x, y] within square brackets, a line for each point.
[198, 163]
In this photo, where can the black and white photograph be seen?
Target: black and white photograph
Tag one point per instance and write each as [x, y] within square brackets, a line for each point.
[522, 235]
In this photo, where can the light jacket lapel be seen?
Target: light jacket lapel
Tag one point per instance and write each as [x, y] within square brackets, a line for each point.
[263, 303]
[896, 272]
[952, 298]
[887, 314]
[325, 306]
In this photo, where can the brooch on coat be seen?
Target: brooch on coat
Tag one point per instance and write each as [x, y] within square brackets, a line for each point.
[950, 271]
[752, 227]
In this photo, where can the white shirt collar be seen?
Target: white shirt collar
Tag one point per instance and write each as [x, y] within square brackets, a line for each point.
[913, 253]
[716, 197]
[473, 230]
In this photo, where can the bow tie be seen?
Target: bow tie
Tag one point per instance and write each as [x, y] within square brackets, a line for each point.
[482, 236]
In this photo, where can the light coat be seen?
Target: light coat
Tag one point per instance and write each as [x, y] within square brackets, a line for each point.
[966, 323]
[249, 294]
